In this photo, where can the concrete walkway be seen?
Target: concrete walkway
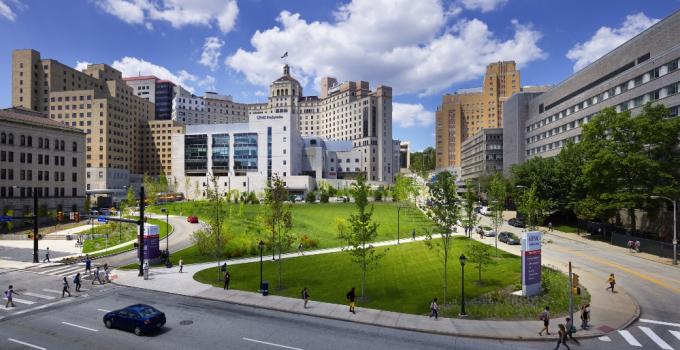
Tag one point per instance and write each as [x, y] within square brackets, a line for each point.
[604, 320]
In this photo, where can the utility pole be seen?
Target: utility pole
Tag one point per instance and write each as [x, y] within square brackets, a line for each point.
[141, 231]
[35, 226]
[571, 295]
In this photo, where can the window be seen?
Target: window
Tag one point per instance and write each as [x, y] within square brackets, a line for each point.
[74, 162]
[74, 177]
[75, 147]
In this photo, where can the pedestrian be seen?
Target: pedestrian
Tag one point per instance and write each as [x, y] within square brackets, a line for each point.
[76, 281]
[88, 265]
[47, 255]
[351, 297]
[545, 317]
[637, 246]
[106, 273]
[434, 309]
[181, 265]
[569, 326]
[611, 281]
[550, 227]
[96, 276]
[227, 277]
[9, 293]
[305, 297]
[562, 337]
[300, 249]
[413, 234]
[630, 245]
[585, 316]
[66, 287]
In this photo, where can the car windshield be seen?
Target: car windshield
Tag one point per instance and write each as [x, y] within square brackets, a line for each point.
[147, 311]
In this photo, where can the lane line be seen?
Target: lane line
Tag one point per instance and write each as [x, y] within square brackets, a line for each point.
[103, 310]
[78, 326]
[23, 301]
[43, 306]
[652, 321]
[26, 344]
[675, 334]
[629, 338]
[52, 291]
[605, 338]
[43, 296]
[660, 342]
[271, 344]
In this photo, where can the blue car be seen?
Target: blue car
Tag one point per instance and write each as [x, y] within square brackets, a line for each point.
[139, 318]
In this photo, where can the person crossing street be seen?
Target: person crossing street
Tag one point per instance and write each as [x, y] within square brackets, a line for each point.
[66, 288]
[9, 293]
[76, 281]
[611, 281]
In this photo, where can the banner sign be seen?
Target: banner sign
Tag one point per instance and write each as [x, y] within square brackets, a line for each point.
[151, 242]
[531, 263]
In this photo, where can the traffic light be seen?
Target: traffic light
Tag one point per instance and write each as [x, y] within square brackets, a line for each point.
[60, 216]
[575, 283]
[76, 217]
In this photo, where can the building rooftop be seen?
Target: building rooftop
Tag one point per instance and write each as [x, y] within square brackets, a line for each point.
[29, 117]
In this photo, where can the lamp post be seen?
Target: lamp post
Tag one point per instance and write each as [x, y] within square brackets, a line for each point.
[398, 213]
[462, 260]
[675, 227]
[261, 245]
[167, 237]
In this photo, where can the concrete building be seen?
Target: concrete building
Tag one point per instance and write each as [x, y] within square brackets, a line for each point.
[404, 154]
[643, 69]
[211, 108]
[40, 155]
[482, 154]
[466, 112]
[157, 144]
[97, 101]
[157, 91]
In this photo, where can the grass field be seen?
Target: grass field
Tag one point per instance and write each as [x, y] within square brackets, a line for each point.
[566, 228]
[127, 233]
[406, 280]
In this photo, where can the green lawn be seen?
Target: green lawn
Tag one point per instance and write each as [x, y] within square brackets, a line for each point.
[406, 280]
[566, 228]
[317, 221]
[127, 233]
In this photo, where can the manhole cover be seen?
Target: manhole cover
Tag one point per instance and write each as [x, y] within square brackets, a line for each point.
[186, 322]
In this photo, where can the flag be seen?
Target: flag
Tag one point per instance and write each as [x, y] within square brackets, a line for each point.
[285, 55]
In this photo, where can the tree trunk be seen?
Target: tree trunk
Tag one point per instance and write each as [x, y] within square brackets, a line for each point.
[446, 264]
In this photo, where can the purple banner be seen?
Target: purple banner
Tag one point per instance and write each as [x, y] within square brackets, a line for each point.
[532, 267]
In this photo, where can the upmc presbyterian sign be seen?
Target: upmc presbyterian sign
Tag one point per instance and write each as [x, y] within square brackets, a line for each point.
[531, 263]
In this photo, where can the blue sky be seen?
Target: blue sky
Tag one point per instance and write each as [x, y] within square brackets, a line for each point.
[422, 48]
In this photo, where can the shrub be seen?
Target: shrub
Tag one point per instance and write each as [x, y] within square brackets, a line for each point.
[378, 195]
[324, 197]
[310, 197]
[309, 242]
[252, 198]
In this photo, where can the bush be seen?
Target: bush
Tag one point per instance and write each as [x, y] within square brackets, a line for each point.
[310, 197]
[252, 198]
[308, 242]
[324, 197]
[378, 195]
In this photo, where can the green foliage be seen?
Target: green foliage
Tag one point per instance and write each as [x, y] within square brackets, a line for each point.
[533, 207]
[310, 197]
[497, 196]
[323, 197]
[470, 218]
[423, 162]
[308, 242]
[378, 194]
[479, 255]
[151, 189]
[279, 219]
[404, 187]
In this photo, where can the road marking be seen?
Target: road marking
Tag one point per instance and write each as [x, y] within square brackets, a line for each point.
[103, 310]
[23, 301]
[26, 344]
[650, 333]
[651, 321]
[629, 338]
[605, 338]
[272, 344]
[43, 296]
[675, 334]
[52, 291]
[83, 327]
[60, 268]
[43, 306]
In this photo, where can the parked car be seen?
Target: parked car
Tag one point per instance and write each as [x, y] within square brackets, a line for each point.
[339, 199]
[138, 318]
[487, 231]
[516, 222]
[299, 198]
[484, 211]
[192, 219]
[508, 238]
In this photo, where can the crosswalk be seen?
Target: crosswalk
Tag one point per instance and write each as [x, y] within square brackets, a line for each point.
[58, 270]
[664, 335]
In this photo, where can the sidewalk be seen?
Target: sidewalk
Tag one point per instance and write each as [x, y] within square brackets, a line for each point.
[604, 320]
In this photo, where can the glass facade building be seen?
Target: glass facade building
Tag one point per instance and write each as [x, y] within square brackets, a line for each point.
[245, 153]
[220, 154]
[195, 154]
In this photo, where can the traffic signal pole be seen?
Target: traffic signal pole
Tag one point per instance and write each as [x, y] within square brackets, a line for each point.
[571, 295]
[141, 231]
[35, 226]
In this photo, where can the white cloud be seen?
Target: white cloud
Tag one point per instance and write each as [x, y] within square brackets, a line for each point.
[361, 44]
[607, 39]
[483, 5]
[211, 52]
[207, 83]
[81, 65]
[176, 12]
[6, 11]
[411, 115]
[132, 67]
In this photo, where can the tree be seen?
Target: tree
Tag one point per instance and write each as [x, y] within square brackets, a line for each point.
[310, 197]
[150, 189]
[479, 255]
[378, 194]
[533, 207]
[215, 219]
[359, 231]
[162, 184]
[423, 162]
[497, 195]
[470, 218]
[279, 219]
[446, 212]
[187, 183]
[404, 187]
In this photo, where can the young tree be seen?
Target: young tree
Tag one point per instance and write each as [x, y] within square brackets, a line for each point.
[310, 197]
[162, 184]
[404, 187]
[360, 231]
[533, 207]
[497, 195]
[479, 255]
[279, 219]
[187, 184]
[446, 212]
[470, 218]
[215, 221]
[150, 189]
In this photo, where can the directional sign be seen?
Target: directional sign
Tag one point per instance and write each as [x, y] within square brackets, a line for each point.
[101, 218]
[5, 218]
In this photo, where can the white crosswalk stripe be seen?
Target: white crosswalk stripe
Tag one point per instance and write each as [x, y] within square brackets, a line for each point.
[52, 291]
[675, 334]
[654, 337]
[23, 301]
[629, 338]
[42, 296]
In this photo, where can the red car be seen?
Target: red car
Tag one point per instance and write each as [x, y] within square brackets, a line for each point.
[192, 219]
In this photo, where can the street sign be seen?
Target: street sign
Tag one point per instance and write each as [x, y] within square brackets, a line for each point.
[5, 218]
[531, 263]
[101, 218]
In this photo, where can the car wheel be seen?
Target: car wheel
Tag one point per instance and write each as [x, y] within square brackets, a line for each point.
[108, 324]
[138, 331]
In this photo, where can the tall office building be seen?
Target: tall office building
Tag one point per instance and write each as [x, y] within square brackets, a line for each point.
[641, 70]
[466, 112]
[97, 101]
[211, 108]
[157, 91]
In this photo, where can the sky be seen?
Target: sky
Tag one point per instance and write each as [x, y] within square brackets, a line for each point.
[421, 48]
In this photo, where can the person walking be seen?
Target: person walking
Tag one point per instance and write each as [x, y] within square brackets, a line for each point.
[351, 297]
[76, 281]
[585, 316]
[305, 297]
[413, 234]
[611, 281]
[66, 288]
[562, 337]
[107, 272]
[300, 249]
[88, 265]
[434, 309]
[569, 326]
[227, 277]
[181, 265]
[550, 227]
[96, 276]
[637, 246]
[47, 255]
[9, 293]
[545, 317]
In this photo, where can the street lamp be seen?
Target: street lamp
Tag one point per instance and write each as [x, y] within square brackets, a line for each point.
[675, 230]
[462, 260]
[167, 237]
[261, 245]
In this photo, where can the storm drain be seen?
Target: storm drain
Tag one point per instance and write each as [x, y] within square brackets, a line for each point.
[186, 322]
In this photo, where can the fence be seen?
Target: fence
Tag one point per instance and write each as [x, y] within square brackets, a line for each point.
[657, 248]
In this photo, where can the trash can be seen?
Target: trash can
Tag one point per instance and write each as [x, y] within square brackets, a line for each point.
[265, 288]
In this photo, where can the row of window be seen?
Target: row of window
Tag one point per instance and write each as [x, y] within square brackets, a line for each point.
[8, 156]
[43, 143]
[27, 192]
